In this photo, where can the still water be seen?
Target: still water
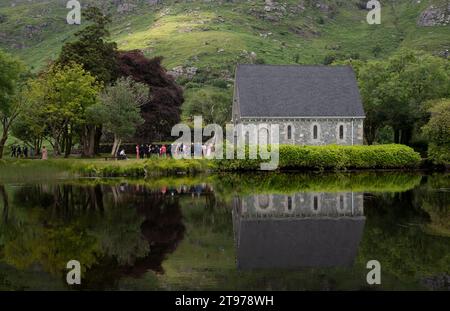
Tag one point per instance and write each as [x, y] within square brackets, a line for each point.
[228, 232]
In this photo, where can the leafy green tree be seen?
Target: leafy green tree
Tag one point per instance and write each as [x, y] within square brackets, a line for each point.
[59, 99]
[10, 102]
[120, 109]
[438, 132]
[99, 57]
[91, 49]
[395, 91]
[211, 103]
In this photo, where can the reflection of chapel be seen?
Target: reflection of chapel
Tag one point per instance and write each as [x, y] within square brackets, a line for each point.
[310, 229]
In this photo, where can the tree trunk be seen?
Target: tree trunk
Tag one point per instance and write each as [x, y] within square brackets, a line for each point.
[98, 137]
[116, 146]
[88, 141]
[68, 146]
[2, 146]
[5, 200]
[406, 136]
[91, 150]
[3, 140]
[397, 135]
[56, 149]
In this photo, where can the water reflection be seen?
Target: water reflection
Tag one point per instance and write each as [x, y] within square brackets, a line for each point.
[305, 229]
[114, 231]
[286, 232]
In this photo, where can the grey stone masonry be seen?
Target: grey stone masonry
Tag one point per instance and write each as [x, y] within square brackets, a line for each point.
[314, 131]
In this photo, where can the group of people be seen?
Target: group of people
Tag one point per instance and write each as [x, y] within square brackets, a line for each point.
[149, 151]
[21, 152]
[146, 151]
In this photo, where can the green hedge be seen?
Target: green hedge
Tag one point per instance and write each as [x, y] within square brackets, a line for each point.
[333, 158]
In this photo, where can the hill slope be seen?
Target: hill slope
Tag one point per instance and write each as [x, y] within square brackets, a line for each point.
[209, 37]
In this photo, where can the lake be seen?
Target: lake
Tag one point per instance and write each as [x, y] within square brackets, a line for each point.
[266, 231]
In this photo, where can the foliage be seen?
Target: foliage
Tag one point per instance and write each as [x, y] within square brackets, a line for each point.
[144, 168]
[91, 50]
[59, 99]
[119, 110]
[438, 132]
[286, 183]
[11, 103]
[162, 110]
[395, 91]
[332, 158]
[210, 103]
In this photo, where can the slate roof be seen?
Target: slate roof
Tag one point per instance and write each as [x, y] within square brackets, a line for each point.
[298, 91]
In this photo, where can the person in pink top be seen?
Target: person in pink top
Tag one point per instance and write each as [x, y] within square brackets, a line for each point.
[137, 152]
[163, 151]
[44, 153]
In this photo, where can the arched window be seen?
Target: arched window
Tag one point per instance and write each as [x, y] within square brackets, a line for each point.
[315, 132]
[264, 201]
[316, 203]
[341, 132]
[289, 132]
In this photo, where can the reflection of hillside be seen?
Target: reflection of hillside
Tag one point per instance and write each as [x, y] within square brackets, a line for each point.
[298, 230]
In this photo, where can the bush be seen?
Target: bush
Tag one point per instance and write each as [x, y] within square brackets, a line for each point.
[333, 158]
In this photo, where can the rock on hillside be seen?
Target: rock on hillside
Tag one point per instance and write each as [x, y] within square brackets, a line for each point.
[435, 16]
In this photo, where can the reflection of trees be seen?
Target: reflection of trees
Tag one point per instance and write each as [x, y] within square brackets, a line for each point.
[434, 198]
[5, 203]
[112, 230]
[394, 236]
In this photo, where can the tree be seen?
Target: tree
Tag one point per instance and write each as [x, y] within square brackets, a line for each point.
[414, 78]
[119, 109]
[438, 132]
[59, 98]
[96, 55]
[10, 102]
[162, 110]
[91, 50]
[211, 103]
[369, 75]
[394, 91]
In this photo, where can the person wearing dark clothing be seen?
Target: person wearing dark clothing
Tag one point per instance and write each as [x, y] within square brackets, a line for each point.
[142, 151]
[13, 151]
[25, 151]
[18, 152]
[147, 151]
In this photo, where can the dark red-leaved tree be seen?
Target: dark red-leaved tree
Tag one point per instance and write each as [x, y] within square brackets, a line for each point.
[163, 109]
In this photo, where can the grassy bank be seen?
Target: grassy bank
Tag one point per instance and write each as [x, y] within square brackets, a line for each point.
[100, 168]
[333, 158]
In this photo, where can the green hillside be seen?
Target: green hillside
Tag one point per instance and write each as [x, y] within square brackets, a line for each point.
[213, 36]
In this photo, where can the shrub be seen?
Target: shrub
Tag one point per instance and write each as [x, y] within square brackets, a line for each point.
[333, 158]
